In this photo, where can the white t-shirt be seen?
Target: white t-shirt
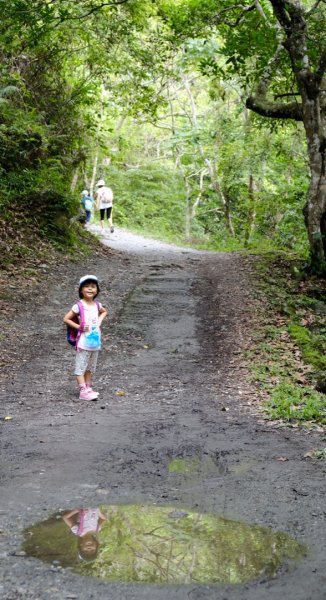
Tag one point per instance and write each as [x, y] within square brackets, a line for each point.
[91, 313]
[104, 197]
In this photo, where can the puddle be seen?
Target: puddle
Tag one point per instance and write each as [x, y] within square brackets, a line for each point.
[149, 544]
[244, 466]
[194, 466]
[190, 463]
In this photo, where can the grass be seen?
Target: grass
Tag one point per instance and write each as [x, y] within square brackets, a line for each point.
[321, 454]
[312, 346]
[287, 359]
[293, 402]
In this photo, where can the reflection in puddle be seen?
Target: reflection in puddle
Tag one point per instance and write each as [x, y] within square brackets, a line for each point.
[146, 544]
[244, 466]
[85, 523]
[195, 466]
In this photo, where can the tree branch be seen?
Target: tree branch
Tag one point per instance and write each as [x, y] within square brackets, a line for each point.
[90, 12]
[260, 10]
[281, 13]
[244, 9]
[314, 7]
[275, 110]
[264, 107]
[288, 94]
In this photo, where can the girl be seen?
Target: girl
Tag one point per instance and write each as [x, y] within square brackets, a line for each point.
[86, 523]
[87, 204]
[89, 336]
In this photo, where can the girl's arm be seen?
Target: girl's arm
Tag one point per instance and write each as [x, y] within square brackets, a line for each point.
[102, 517]
[68, 518]
[68, 320]
[102, 314]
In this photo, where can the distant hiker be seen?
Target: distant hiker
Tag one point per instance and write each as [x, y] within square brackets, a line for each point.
[85, 523]
[86, 317]
[104, 203]
[87, 204]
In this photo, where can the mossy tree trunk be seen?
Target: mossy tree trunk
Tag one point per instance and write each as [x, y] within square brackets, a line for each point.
[292, 18]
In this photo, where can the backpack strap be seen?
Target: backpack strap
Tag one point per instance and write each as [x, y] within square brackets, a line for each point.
[81, 321]
[81, 522]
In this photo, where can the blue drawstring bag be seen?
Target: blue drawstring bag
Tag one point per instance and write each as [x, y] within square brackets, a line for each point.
[93, 339]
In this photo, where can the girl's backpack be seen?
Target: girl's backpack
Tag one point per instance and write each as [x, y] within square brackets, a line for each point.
[73, 335]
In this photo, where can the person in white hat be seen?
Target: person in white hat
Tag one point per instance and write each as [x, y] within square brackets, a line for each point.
[104, 203]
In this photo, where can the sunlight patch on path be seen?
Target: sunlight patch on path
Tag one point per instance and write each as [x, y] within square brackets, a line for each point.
[126, 241]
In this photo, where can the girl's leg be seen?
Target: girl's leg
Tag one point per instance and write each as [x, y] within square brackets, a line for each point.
[84, 360]
[81, 380]
[102, 211]
[88, 379]
[91, 368]
[80, 369]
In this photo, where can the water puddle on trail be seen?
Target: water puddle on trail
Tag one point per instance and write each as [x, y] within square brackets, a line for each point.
[150, 544]
[191, 466]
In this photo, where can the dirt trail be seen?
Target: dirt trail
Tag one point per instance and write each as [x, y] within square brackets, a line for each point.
[178, 320]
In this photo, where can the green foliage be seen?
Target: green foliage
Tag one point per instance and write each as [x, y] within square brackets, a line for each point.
[312, 345]
[321, 454]
[291, 402]
[148, 198]
[53, 60]
[72, 73]
[288, 357]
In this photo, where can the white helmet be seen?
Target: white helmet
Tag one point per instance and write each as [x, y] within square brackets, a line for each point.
[84, 193]
[100, 182]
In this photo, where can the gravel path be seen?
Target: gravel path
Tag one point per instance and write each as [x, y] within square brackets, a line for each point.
[172, 386]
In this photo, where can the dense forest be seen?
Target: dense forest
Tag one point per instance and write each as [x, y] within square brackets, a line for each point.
[207, 119]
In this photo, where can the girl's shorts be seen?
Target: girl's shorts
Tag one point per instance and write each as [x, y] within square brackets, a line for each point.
[86, 361]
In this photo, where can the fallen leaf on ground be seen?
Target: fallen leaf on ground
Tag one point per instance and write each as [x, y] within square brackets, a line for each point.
[282, 458]
[120, 393]
[7, 418]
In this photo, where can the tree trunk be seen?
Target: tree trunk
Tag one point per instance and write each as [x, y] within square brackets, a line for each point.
[74, 180]
[223, 197]
[315, 210]
[188, 219]
[191, 207]
[92, 182]
[293, 34]
[252, 210]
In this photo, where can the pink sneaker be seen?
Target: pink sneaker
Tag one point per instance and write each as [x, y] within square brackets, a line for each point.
[93, 391]
[87, 394]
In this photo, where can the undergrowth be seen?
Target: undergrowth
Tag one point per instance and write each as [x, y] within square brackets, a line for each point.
[25, 240]
[288, 361]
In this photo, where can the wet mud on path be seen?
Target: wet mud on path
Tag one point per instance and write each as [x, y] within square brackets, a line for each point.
[172, 386]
